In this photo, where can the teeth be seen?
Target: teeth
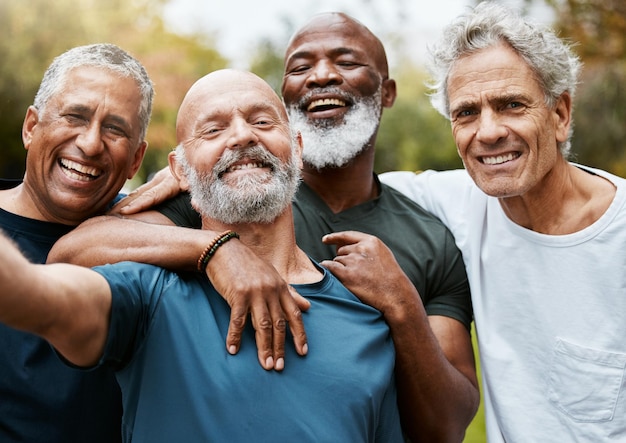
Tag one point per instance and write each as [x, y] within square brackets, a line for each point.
[499, 159]
[79, 172]
[244, 166]
[326, 102]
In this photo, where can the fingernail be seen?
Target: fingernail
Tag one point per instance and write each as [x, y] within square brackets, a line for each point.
[232, 349]
[269, 362]
[305, 348]
[280, 364]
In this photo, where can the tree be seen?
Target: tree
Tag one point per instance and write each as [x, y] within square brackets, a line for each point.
[413, 135]
[33, 32]
[599, 29]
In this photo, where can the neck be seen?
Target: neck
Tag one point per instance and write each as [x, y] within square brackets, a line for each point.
[567, 200]
[19, 200]
[275, 243]
[345, 187]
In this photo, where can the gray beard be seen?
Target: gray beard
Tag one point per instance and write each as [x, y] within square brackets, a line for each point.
[326, 144]
[250, 198]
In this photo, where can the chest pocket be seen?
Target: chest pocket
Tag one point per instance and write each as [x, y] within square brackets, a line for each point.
[585, 383]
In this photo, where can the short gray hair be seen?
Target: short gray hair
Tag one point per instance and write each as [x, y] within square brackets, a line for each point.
[489, 24]
[99, 55]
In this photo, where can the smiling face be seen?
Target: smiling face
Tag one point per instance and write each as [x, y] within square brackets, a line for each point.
[505, 133]
[83, 145]
[239, 160]
[335, 86]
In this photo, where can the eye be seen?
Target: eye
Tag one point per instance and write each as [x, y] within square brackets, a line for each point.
[298, 69]
[75, 118]
[210, 132]
[464, 113]
[115, 130]
[348, 64]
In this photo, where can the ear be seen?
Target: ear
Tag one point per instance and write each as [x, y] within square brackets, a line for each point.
[389, 92]
[178, 171]
[563, 117]
[30, 121]
[139, 154]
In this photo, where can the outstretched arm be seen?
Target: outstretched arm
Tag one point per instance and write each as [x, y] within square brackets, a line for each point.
[45, 300]
[435, 370]
[249, 285]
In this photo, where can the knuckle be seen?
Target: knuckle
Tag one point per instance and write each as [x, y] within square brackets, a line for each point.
[281, 325]
[264, 324]
[296, 315]
[238, 322]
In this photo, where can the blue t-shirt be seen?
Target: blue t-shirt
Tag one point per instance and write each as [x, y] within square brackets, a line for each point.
[422, 245]
[167, 339]
[41, 398]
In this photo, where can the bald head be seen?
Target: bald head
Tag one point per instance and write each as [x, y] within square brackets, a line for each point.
[338, 25]
[224, 87]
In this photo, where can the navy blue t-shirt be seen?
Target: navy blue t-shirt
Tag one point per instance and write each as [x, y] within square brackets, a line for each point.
[41, 398]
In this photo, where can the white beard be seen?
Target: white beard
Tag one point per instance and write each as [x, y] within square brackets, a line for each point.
[249, 199]
[326, 144]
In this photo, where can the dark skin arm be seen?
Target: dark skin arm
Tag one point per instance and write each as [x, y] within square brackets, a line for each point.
[160, 188]
[255, 289]
[435, 369]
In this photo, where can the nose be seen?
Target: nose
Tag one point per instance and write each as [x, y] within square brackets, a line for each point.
[491, 128]
[241, 134]
[89, 140]
[324, 73]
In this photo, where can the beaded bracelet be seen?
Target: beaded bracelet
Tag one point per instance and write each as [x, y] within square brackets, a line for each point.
[210, 250]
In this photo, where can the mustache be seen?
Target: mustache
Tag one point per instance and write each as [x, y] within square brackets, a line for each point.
[331, 90]
[255, 153]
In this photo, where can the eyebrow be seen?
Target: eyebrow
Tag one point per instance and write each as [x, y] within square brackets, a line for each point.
[334, 52]
[498, 100]
[121, 121]
[252, 108]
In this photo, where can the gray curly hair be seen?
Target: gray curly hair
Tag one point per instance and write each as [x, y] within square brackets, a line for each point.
[99, 55]
[490, 24]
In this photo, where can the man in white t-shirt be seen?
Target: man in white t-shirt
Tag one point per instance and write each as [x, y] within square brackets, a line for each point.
[543, 239]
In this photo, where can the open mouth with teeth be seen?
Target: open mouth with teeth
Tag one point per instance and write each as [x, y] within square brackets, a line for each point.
[499, 159]
[77, 171]
[245, 166]
[325, 104]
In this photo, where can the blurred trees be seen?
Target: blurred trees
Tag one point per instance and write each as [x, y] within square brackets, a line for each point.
[599, 29]
[33, 32]
[412, 134]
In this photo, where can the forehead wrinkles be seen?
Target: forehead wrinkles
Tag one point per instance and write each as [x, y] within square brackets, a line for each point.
[335, 33]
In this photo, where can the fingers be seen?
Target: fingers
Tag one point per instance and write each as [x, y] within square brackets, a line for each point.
[294, 319]
[302, 303]
[265, 337]
[235, 329]
[259, 291]
[270, 325]
[344, 238]
[162, 187]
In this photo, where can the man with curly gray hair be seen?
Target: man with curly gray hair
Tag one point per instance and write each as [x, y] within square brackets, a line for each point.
[543, 238]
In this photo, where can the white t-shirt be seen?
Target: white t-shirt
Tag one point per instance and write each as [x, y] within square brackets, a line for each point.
[550, 312]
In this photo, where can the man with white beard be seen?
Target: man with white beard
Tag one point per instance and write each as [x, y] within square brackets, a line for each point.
[335, 85]
[163, 332]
